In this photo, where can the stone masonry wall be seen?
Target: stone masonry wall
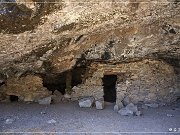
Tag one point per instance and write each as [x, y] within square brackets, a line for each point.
[148, 81]
[28, 88]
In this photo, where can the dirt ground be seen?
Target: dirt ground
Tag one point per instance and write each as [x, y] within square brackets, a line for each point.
[69, 118]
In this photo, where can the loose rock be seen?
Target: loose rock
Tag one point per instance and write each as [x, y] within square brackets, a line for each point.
[45, 101]
[118, 107]
[144, 107]
[132, 107]
[138, 113]
[52, 121]
[57, 96]
[170, 115]
[125, 112]
[130, 110]
[9, 121]
[86, 102]
[100, 104]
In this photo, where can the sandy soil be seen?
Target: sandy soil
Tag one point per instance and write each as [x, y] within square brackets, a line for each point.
[68, 118]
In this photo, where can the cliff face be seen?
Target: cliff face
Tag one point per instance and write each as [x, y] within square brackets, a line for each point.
[108, 30]
[54, 37]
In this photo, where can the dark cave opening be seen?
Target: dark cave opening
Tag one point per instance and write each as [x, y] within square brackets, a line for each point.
[13, 98]
[58, 81]
[109, 83]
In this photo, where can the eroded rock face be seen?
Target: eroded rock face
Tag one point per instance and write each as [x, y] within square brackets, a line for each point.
[28, 89]
[77, 33]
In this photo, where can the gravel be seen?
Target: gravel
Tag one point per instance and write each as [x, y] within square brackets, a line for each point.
[70, 118]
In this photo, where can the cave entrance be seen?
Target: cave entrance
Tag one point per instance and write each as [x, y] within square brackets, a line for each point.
[64, 80]
[109, 83]
[13, 98]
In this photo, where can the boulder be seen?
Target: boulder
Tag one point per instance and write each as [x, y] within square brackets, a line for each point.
[99, 104]
[45, 101]
[86, 102]
[130, 110]
[132, 107]
[57, 96]
[125, 112]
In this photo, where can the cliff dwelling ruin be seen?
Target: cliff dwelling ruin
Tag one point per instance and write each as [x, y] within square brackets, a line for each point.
[115, 57]
[89, 67]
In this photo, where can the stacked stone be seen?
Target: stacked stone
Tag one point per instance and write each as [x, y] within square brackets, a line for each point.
[147, 81]
[27, 89]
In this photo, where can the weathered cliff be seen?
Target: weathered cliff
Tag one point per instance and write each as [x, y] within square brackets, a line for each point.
[56, 36]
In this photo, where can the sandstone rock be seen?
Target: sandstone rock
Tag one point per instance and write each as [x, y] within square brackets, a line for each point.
[45, 101]
[29, 88]
[147, 51]
[86, 102]
[99, 104]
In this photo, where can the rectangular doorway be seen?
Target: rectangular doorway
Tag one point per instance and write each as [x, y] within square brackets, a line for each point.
[109, 83]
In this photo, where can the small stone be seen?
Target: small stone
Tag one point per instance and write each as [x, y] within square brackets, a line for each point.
[118, 106]
[39, 63]
[43, 112]
[9, 121]
[86, 102]
[67, 96]
[43, 59]
[132, 107]
[154, 105]
[52, 121]
[170, 115]
[45, 101]
[125, 112]
[130, 110]
[138, 113]
[144, 107]
[100, 104]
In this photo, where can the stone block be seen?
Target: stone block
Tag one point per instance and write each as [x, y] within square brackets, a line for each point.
[86, 102]
[45, 101]
[99, 104]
